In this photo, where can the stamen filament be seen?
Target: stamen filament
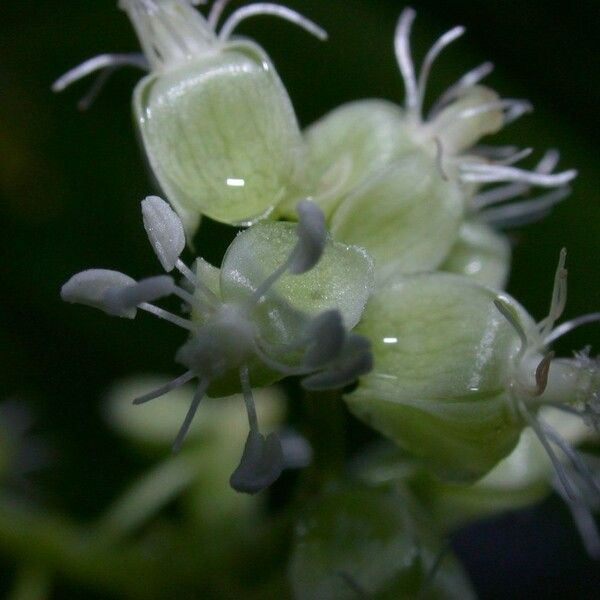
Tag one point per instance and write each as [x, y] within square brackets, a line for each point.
[558, 466]
[103, 61]
[161, 391]
[567, 327]
[161, 313]
[468, 80]
[249, 399]
[578, 463]
[404, 58]
[482, 173]
[514, 108]
[216, 12]
[528, 211]
[266, 285]
[197, 283]
[276, 10]
[200, 391]
[445, 40]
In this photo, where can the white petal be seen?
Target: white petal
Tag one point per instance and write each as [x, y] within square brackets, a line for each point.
[312, 236]
[90, 287]
[164, 229]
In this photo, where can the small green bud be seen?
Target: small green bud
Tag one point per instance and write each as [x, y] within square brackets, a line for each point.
[361, 542]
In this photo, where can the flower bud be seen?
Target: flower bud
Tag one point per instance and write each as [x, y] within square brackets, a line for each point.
[460, 370]
[215, 121]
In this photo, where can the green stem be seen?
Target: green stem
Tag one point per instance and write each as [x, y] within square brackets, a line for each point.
[326, 435]
[63, 548]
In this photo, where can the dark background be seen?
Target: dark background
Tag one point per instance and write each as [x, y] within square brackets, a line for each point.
[70, 186]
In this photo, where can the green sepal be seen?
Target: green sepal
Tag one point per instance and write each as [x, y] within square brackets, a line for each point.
[407, 217]
[355, 541]
[220, 134]
[442, 352]
[481, 254]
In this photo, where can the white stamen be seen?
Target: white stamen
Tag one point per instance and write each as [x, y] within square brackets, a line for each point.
[404, 58]
[90, 96]
[197, 283]
[574, 457]
[482, 173]
[515, 157]
[514, 109]
[165, 389]
[557, 464]
[276, 10]
[165, 231]
[468, 80]
[161, 313]
[522, 213]
[189, 417]
[565, 328]
[97, 63]
[90, 287]
[494, 152]
[216, 12]
[444, 41]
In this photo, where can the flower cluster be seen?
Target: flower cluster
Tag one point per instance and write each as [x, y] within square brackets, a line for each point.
[452, 369]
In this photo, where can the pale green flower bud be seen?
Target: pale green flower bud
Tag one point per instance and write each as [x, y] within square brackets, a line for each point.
[215, 121]
[371, 542]
[461, 369]
[407, 217]
[356, 143]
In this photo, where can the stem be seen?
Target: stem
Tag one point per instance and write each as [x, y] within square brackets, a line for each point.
[326, 435]
[68, 550]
